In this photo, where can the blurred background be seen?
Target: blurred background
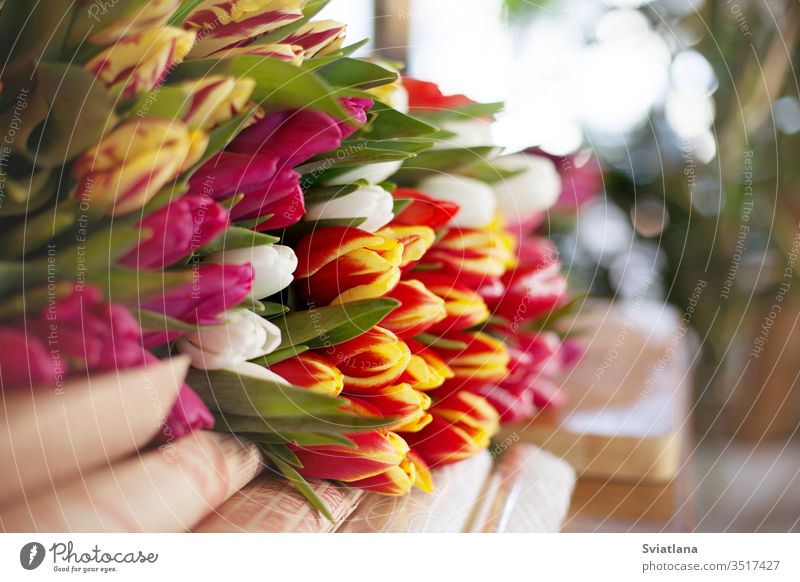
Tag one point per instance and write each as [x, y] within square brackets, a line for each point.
[691, 109]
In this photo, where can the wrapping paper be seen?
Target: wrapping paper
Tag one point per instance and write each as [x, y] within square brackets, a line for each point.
[533, 492]
[164, 490]
[270, 504]
[449, 508]
[48, 436]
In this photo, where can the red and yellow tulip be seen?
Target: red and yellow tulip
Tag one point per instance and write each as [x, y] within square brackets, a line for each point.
[425, 370]
[311, 371]
[141, 61]
[419, 309]
[462, 426]
[381, 462]
[215, 99]
[400, 401]
[223, 24]
[473, 256]
[483, 358]
[341, 264]
[464, 307]
[416, 241]
[134, 20]
[372, 360]
[132, 163]
[317, 38]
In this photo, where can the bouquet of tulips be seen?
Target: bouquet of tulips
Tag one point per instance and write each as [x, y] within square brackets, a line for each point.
[344, 256]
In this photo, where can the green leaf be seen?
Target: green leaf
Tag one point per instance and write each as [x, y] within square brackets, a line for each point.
[132, 288]
[58, 124]
[154, 321]
[36, 231]
[326, 193]
[300, 484]
[349, 72]
[233, 394]
[400, 204]
[490, 173]
[388, 123]
[439, 161]
[280, 355]
[297, 231]
[235, 237]
[464, 112]
[184, 10]
[341, 423]
[285, 454]
[359, 152]
[266, 309]
[328, 326]
[427, 339]
[304, 439]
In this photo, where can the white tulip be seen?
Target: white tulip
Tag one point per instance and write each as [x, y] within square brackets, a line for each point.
[534, 189]
[372, 173]
[274, 266]
[468, 133]
[252, 370]
[372, 202]
[475, 199]
[242, 337]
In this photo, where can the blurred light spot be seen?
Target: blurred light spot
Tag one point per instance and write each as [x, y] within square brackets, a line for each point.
[604, 230]
[692, 72]
[649, 217]
[621, 25]
[690, 113]
[787, 114]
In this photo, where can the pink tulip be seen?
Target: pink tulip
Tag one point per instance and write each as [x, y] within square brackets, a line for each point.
[188, 414]
[177, 230]
[213, 290]
[25, 361]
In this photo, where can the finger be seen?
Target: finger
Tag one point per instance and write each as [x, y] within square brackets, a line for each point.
[164, 490]
[50, 436]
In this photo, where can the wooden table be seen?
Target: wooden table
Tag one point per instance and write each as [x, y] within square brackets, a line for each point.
[626, 428]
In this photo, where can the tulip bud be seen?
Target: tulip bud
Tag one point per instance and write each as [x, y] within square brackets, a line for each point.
[416, 241]
[462, 426]
[419, 309]
[534, 189]
[476, 201]
[282, 52]
[376, 451]
[230, 23]
[400, 401]
[25, 362]
[244, 336]
[425, 370]
[464, 307]
[475, 257]
[141, 62]
[214, 289]
[412, 472]
[134, 20]
[132, 163]
[370, 202]
[311, 371]
[533, 288]
[467, 133]
[341, 264]
[177, 230]
[372, 360]
[273, 266]
[482, 358]
[215, 99]
[317, 38]
[423, 210]
[188, 413]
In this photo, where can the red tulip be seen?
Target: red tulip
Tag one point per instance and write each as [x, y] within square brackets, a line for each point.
[177, 230]
[423, 210]
[419, 309]
[372, 360]
[341, 264]
[427, 95]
